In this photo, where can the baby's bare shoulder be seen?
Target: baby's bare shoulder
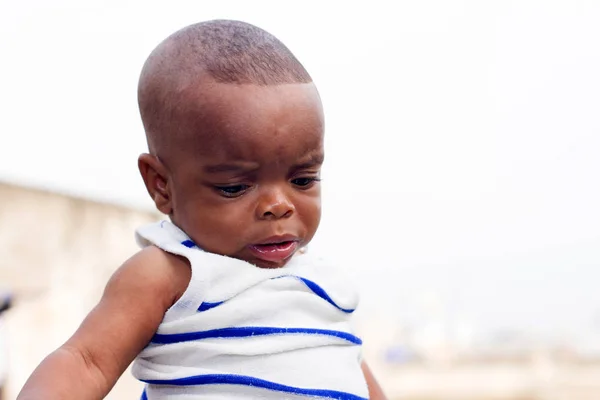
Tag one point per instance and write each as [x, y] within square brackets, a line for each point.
[153, 269]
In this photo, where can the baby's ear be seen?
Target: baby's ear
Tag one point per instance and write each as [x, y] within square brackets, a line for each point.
[155, 178]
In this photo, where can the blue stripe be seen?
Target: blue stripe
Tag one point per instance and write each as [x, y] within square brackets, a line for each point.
[323, 294]
[319, 291]
[227, 379]
[144, 395]
[247, 332]
[207, 306]
[188, 243]
[315, 288]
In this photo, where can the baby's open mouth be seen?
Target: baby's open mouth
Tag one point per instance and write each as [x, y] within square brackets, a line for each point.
[275, 245]
[275, 251]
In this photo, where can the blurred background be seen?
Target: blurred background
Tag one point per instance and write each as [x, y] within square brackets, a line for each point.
[461, 186]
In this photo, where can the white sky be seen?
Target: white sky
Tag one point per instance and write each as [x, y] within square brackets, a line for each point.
[462, 137]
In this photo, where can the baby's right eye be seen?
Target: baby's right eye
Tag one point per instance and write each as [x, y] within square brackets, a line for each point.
[232, 190]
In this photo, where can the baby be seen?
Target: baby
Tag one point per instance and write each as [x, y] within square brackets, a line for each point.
[223, 301]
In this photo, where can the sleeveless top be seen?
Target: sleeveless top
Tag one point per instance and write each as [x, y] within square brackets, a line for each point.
[243, 332]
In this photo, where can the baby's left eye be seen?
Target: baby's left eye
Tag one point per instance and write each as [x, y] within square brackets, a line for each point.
[304, 181]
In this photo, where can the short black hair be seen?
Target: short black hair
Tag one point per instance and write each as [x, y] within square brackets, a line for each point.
[226, 51]
[232, 52]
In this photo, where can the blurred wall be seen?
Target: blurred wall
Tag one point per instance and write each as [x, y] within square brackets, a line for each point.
[56, 254]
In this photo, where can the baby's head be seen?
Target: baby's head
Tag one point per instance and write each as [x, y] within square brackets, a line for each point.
[235, 134]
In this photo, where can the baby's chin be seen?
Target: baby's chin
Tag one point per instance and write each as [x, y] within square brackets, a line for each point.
[268, 264]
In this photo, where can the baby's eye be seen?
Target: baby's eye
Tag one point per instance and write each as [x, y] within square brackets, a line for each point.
[303, 182]
[232, 191]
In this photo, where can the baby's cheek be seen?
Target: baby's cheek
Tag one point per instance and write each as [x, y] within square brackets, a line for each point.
[311, 215]
[228, 231]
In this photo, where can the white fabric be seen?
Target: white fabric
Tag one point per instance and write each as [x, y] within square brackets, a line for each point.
[253, 297]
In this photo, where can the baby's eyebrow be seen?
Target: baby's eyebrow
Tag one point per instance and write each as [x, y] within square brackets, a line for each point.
[237, 167]
[311, 160]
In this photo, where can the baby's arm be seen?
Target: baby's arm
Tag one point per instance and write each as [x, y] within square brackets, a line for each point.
[88, 365]
[375, 391]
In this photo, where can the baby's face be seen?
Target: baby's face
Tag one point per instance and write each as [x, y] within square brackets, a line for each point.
[247, 183]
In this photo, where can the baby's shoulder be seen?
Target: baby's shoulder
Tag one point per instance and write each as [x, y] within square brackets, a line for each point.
[153, 269]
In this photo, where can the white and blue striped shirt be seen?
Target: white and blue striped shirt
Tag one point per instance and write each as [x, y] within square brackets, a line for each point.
[243, 332]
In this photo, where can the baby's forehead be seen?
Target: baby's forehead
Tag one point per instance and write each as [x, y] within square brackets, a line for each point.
[240, 110]
[253, 123]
